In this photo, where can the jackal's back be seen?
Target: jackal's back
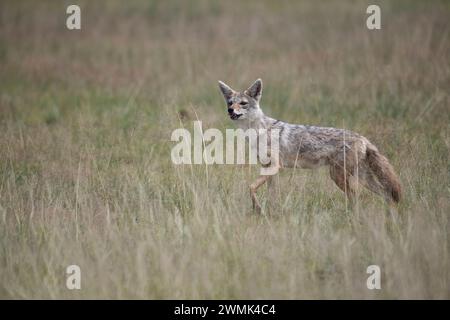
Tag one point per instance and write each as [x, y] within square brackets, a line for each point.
[310, 146]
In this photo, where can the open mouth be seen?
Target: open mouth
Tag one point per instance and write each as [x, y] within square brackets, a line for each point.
[235, 116]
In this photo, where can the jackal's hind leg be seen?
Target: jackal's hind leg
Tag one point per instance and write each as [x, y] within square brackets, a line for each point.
[344, 180]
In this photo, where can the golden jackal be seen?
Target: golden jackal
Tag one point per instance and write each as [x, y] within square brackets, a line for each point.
[351, 157]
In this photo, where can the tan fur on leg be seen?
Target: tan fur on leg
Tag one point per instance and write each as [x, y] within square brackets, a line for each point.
[253, 188]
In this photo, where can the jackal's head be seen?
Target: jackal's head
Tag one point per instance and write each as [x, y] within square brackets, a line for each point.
[243, 105]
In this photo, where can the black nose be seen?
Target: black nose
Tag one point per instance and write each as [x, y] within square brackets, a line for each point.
[230, 110]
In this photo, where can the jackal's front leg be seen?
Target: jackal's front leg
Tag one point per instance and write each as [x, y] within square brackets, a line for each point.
[253, 187]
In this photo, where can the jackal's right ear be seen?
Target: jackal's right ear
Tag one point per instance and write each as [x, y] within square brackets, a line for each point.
[226, 90]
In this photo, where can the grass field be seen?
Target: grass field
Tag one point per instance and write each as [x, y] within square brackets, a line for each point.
[86, 176]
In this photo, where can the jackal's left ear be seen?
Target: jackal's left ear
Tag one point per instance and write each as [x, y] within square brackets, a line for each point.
[226, 90]
[255, 90]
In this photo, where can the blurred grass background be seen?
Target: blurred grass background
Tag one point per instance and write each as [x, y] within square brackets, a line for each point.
[85, 170]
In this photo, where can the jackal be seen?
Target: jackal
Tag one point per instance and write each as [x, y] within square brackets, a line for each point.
[352, 158]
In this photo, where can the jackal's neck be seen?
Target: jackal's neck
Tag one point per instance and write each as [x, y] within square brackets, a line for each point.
[258, 121]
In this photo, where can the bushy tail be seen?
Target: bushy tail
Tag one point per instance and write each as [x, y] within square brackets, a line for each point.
[383, 170]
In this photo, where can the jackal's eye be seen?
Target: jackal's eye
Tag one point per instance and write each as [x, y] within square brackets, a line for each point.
[244, 103]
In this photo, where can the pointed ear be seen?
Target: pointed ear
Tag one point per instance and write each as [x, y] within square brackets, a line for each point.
[255, 90]
[226, 90]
